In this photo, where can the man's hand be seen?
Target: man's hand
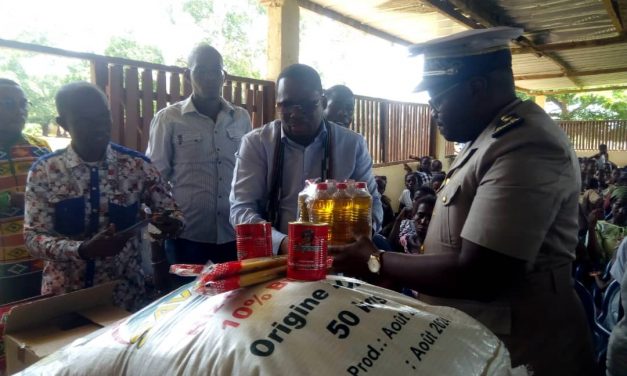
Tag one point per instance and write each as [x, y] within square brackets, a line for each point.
[284, 247]
[405, 213]
[170, 227]
[593, 217]
[352, 259]
[104, 244]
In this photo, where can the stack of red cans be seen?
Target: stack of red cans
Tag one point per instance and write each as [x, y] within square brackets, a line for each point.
[253, 240]
[307, 251]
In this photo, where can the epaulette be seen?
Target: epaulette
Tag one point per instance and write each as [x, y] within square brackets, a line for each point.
[505, 123]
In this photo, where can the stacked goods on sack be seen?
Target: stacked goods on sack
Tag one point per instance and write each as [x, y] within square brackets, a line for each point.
[334, 326]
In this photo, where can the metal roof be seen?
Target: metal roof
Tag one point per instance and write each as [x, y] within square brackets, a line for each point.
[568, 45]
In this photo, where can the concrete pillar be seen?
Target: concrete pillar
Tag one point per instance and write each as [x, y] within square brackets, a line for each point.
[541, 100]
[283, 35]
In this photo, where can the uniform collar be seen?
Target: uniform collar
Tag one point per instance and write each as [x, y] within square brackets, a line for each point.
[490, 128]
[74, 160]
[187, 106]
[507, 108]
[470, 146]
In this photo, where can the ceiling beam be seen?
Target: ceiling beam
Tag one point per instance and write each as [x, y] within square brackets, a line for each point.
[565, 91]
[327, 12]
[575, 74]
[501, 19]
[448, 10]
[611, 11]
[573, 45]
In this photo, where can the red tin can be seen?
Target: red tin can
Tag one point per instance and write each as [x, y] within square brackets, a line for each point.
[307, 251]
[253, 240]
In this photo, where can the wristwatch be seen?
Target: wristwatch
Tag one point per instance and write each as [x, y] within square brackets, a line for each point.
[375, 262]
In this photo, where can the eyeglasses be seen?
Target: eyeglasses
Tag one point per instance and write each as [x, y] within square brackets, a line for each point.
[210, 73]
[436, 101]
[288, 107]
[9, 104]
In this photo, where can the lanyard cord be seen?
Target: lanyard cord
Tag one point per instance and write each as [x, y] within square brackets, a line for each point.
[274, 198]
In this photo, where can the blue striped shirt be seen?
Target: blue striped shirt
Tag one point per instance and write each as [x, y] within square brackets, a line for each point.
[197, 156]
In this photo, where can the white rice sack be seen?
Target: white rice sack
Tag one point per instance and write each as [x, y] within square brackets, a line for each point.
[338, 326]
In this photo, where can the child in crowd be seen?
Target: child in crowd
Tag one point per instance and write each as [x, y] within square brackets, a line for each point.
[411, 185]
[386, 203]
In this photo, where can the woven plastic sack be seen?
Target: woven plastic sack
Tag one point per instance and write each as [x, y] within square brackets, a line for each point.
[338, 326]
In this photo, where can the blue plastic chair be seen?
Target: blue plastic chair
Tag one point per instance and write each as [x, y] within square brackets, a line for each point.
[611, 306]
[600, 335]
[598, 293]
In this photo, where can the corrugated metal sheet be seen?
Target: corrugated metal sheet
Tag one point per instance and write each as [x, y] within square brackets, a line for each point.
[410, 20]
[551, 83]
[554, 21]
[531, 64]
[606, 57]
[604, 79]
[545, 23]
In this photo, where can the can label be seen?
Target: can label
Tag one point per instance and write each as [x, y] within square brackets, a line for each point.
[253, 240]
[307, 251]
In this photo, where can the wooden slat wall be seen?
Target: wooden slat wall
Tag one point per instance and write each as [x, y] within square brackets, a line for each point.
[147, 107]
[136, 93]
[587, 135]
[132, 126]
[116, 94]
[393, 130]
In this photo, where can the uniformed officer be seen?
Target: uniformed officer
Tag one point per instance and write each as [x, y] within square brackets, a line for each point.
[504, 229]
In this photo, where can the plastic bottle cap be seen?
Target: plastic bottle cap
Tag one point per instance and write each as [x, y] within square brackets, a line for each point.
[361, 184]
[322, 186]
[341, 186]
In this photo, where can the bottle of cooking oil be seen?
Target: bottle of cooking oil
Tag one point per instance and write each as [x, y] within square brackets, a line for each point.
[350, 186]
[362, 211]
[303, 211]
[321, 207]
[342, 229]
[331, 188]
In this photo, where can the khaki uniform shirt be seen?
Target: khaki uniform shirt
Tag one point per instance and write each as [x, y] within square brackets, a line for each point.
[514, 190]
[515, 193]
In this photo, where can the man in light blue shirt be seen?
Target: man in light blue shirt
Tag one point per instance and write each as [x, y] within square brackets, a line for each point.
[274, 161]
[617, 345]
[193, 144]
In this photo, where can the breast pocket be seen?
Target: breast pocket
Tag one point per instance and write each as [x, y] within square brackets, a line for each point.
[123, 216]
[188, 146]
[235, 134]
[450, 230]
[233, 140]
[69, 217]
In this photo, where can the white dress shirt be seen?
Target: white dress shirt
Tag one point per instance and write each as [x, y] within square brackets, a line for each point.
[251, 180]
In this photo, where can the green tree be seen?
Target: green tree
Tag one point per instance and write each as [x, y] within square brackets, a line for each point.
[524, 96]
[589, 106]
[230, 30]
[40, 89]
[131, 49]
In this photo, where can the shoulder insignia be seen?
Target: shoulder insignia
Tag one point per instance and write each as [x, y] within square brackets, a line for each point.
[505, 123]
